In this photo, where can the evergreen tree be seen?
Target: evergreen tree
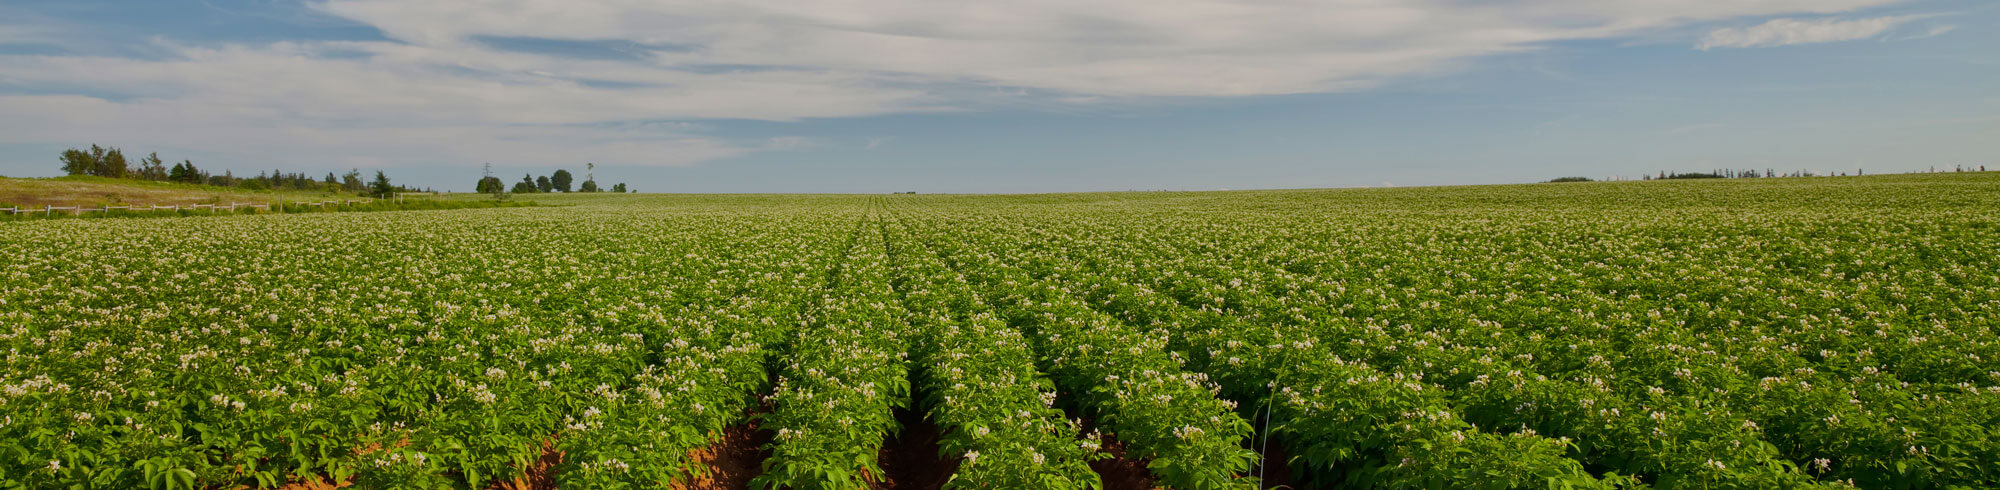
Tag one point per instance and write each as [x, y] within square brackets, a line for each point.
[194, 175]
[351, 181]
[381, 187]
[151, 168]
[113, 164]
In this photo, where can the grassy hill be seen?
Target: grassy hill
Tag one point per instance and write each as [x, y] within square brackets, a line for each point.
[90, 191]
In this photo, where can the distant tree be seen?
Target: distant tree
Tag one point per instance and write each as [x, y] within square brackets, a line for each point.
[490, 185]
[618, 188]
[189, 174]
[527, 185]
[1569, 179]
[151, 168]
[589, 186]
[113, 164]
[381, 188]
[79, 162]
[330, 179]
[542, 184]
[257, 184]
[351, 181]
[560, 180]
[1694, 175]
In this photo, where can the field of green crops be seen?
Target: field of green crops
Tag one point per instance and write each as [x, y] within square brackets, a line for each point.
[1750, 333]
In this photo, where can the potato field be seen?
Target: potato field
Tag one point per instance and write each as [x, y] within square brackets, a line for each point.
[1748, 333]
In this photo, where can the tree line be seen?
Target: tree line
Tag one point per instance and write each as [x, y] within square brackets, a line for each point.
[560, 181]
[111, 163]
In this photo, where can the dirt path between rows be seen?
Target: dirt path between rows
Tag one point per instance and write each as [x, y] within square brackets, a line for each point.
[734, 459]
[910, 459]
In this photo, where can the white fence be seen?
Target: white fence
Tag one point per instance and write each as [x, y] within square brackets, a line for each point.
[211, 208]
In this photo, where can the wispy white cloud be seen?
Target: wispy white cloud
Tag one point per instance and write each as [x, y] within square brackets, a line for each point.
[437, 93]
[1934, 31]
[10, 34]
[257, 139]
[1787, 32]
[1100, 47]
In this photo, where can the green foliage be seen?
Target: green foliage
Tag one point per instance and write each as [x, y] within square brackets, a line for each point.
[1821, 333]
[380, 187]
[1569, 179]
[151, 168]
[490, 185]
[526, 185]
[351, 182]
[110, 163]
[78, 162]
[560, 181]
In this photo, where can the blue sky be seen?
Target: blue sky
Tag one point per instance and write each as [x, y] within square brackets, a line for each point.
[1006, 95]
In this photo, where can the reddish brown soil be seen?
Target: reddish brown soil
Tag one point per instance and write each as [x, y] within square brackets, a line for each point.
[1120, 471]
[733, 460]
[910, 460]
[539, 476]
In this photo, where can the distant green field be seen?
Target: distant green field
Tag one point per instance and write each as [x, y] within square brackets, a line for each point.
[92, 191]
[1752, 333]
[98, 197]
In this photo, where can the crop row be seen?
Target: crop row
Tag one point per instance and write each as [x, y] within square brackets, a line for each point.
[1609, 356]
[845, 374]
[981, 383]
[1124, 376]
[396, 357]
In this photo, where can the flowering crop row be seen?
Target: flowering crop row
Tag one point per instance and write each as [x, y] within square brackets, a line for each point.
[1125, 376]
[390, 349]
[704, 377]
[1772, 334]
[1698, 416]
[1838, 345]
[1337, 411]
[982, 384]
[845, 375]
